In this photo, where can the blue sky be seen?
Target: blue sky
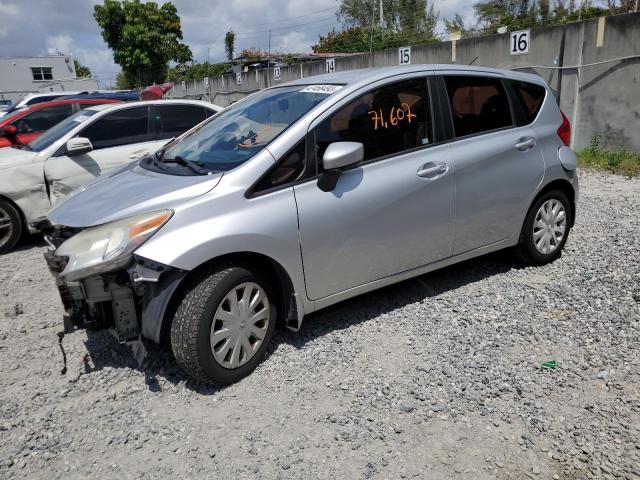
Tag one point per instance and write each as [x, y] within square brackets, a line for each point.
[38, 27]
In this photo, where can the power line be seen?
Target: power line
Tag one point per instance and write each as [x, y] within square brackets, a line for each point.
[285, 27]
[290, 18]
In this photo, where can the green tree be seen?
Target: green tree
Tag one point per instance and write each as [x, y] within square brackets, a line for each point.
[196, 71]
[81, 70]
[415, 19]
[455, 24]
[357, 39]
[518, 14]
[143, 37]
[229, 44]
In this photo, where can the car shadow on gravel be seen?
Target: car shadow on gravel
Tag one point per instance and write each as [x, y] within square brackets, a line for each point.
[104, 351]
[29, 241]
[373, 304]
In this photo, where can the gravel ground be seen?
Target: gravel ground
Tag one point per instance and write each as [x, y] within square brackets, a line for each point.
[436, 377]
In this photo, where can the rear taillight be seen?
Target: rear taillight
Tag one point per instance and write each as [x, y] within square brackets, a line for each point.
[564, 131]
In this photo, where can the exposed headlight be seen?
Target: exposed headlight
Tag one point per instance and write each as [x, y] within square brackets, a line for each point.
[108, 246]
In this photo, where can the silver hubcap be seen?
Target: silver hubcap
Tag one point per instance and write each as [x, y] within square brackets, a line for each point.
[549, 226]
[6, 228]
[240, 325]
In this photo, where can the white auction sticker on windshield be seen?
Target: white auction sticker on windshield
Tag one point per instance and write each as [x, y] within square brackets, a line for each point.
[326, 89]
[81, 118]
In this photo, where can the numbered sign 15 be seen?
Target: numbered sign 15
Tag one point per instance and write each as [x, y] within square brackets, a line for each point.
[331, 65]
[404, 55]
[520, 42]
[276, 73]
[239, 78]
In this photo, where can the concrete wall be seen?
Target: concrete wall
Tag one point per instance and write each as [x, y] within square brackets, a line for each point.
[598, 99]
[16, 78]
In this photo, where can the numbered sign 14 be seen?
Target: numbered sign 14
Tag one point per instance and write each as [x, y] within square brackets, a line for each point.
[276, 73]
[520, 42]
[331, 65]
[404, 55]
[239, 78]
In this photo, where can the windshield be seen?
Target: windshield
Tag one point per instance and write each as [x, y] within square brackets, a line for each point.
[239, 132]
[60, 129]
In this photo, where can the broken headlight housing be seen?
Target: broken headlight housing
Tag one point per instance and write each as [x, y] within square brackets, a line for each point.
[109, 246]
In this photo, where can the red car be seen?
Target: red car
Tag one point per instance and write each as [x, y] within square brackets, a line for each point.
[26, 124]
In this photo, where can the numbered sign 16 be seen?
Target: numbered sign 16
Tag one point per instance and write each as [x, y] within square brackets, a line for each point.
[276, 73]
[206, 81]
[404, 55]
[520, 42]
[239, 78]
[331, 65]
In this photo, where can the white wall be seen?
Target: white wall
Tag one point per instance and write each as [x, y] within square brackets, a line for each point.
[16, 78]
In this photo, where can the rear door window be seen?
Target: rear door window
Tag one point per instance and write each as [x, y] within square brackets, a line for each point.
[122, 127]
[42, 119]
[478, 104]
[174, 120]
[389, 120]
[530, 97]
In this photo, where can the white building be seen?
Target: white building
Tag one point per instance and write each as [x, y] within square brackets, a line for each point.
[20, 76]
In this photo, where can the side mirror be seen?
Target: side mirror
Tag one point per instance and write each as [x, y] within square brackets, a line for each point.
[337, 156]
[78, 146]
[9, 131]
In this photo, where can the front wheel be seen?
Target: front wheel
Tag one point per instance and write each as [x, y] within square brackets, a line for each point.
[10, 226]
[223, 325]
[546, 228]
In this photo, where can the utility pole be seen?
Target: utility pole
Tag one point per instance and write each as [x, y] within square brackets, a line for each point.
[373, 16]
[269, 42]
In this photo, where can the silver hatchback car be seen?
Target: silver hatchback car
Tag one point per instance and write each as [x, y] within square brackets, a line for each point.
[309, 193]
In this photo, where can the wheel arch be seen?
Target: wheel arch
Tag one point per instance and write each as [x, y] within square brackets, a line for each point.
[288, 307]
[558, 184]
[23, 218]
[565, 187]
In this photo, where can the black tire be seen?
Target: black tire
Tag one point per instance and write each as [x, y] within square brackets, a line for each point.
[12, 223]
[527, 250]
[191, 326]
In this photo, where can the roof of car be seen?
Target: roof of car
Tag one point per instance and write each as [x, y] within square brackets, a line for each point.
[379, 73]
[20, 112]
[120, 106]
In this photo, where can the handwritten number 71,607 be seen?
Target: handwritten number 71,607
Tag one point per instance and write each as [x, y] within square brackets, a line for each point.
[396, 115]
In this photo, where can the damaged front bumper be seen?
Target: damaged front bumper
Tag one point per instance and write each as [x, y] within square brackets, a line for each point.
[131, 301]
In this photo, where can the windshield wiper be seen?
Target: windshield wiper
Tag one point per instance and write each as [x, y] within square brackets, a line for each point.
[23, 146]
[194, 165]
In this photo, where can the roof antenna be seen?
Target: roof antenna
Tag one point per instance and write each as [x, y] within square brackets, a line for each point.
[473, 61]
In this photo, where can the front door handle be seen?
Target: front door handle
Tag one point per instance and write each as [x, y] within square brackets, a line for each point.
[433, 170]
[526, 143]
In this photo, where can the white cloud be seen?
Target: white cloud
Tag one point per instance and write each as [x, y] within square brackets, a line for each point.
[33, 27]
[9, 9]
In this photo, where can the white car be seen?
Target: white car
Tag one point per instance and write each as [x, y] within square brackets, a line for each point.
[35, 177]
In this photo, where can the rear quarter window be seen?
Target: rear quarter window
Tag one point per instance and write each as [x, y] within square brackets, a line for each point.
[530, 96]
[478, 104]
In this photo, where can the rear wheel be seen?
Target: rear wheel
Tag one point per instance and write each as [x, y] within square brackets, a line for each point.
[223, 325]
[10, 226]
[546, 228]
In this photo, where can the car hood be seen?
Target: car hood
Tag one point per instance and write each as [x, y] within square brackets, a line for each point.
[128, 191]
[14, 157]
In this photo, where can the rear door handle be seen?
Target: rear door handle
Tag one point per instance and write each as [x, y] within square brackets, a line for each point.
[526, 143]
[433, 170]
